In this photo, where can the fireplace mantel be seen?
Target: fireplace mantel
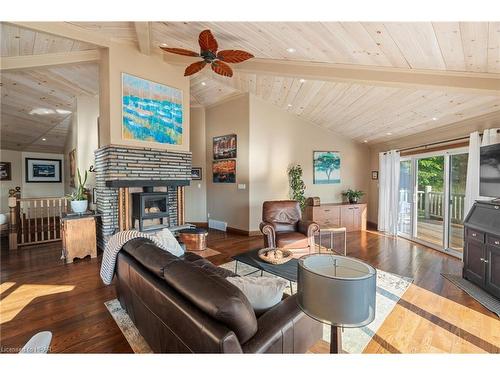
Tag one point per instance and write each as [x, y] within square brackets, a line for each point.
[143, 183]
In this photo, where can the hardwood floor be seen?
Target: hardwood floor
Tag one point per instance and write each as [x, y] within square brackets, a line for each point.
[39, 292]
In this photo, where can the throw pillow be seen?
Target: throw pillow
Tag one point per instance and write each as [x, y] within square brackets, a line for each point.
[262, 292]
[168, 241]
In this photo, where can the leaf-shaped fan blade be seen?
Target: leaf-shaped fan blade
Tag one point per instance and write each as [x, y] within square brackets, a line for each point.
[234, 55]
[194, 68]
[207, 41]
[180, 51]
[222, 68]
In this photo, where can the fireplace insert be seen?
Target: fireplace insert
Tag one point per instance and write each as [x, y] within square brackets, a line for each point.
[151, 206]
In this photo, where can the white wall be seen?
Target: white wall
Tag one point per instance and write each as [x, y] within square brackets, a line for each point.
[279, 139]
[28, 190]
[196, 193]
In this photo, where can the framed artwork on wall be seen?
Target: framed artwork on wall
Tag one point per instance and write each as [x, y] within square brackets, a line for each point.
[326, 167]
[196, 173]
[5, 171]
[43, 170]
[151, 111]
[72, 167]
[224, 171]
[225, 147]
[374, 175]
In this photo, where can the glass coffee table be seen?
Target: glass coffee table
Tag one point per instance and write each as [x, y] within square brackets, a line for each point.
[287, 271]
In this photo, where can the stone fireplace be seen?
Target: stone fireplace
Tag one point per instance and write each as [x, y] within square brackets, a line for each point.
[124, 172]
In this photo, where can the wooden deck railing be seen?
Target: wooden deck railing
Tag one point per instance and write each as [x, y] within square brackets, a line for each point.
[37, 220]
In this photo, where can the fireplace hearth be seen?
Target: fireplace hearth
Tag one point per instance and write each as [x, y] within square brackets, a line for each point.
[150, 207]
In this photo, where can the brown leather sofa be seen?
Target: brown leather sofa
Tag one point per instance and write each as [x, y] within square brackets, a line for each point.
[282, 226]
[185, 305]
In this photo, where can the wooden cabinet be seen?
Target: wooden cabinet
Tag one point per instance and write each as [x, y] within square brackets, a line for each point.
[350, 216]
[79, 237]
[482, 247]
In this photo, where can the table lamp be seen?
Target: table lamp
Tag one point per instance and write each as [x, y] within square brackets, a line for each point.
[337, 290]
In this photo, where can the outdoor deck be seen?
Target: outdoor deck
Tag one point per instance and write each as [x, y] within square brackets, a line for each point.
[430, 230]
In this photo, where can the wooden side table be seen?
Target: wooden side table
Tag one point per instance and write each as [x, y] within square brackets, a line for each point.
[78, 236]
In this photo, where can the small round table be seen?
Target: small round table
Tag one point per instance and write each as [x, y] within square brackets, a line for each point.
[331, 231]
[195, 239]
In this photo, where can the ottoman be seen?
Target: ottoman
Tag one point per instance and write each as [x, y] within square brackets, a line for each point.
[195, 239]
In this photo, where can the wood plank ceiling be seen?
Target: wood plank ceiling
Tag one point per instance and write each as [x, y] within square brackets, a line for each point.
[365, 113]
[37, 104]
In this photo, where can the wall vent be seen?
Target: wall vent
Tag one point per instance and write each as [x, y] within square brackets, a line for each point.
[217, 224]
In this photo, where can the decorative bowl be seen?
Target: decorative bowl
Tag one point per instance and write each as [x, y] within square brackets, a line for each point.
[275, 255]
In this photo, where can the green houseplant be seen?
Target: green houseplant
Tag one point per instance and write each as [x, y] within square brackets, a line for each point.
[78, 198]
[353, 195]
[297, 185]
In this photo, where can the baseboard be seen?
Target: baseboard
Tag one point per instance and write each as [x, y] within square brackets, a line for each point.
[243, 232]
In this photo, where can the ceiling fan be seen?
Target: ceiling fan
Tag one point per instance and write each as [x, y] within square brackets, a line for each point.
[209, 54]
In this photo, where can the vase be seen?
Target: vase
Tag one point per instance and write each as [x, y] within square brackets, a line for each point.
[353, 200]
[79, 207]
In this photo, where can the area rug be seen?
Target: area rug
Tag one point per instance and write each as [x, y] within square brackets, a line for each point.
[129, 330]
[390, 288]
[484, 298]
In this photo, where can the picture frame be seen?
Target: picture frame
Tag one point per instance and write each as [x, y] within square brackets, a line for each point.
[152, 112]
[224, 171]
[326, 167]
[5, 171]
[225, 147]
[43, 170]
[196, 173]
[374, 175]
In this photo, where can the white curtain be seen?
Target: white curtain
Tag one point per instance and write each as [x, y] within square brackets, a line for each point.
[490, 137]
[388, 201]
[472, 181]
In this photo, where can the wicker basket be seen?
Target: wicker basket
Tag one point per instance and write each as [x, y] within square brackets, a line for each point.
[275, 255]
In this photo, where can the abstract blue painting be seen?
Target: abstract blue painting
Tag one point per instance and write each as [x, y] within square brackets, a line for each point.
[151, 112]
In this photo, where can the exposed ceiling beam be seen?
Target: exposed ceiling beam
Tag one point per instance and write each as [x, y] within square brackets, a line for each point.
[48, 59]
[480, 83]
[143, 32]
[67, 30]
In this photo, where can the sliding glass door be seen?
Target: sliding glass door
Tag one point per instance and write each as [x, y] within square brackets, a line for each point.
[431, 199]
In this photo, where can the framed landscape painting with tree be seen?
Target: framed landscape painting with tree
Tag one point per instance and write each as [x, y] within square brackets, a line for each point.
[326, 167]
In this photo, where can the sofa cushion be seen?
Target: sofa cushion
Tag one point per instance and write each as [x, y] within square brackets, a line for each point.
[291, 240]
[214, 295]
[207, 265]
[149, 255]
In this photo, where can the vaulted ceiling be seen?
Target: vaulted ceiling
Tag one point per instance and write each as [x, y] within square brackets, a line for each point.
[365, 110]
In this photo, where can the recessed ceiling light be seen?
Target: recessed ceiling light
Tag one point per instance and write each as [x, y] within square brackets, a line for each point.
[290, 50]
[434, 118]
[63, 111]
[289, 106]
[365, 141]
[163, 44]
[42, 111]
[44, 139]
[302, 80]
[203, 83]
[389, 133]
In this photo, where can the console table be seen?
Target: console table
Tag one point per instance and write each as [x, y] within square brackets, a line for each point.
[347, 215]
[78, 236]
[482, 246]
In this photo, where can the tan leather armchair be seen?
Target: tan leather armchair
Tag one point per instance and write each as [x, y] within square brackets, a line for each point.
[283, 227]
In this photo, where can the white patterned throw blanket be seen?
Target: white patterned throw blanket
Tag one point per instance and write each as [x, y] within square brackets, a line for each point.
[164, 239]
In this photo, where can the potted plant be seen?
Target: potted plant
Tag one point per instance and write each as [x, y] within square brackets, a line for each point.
[78, 198]
[297, 185]
[353, 195]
